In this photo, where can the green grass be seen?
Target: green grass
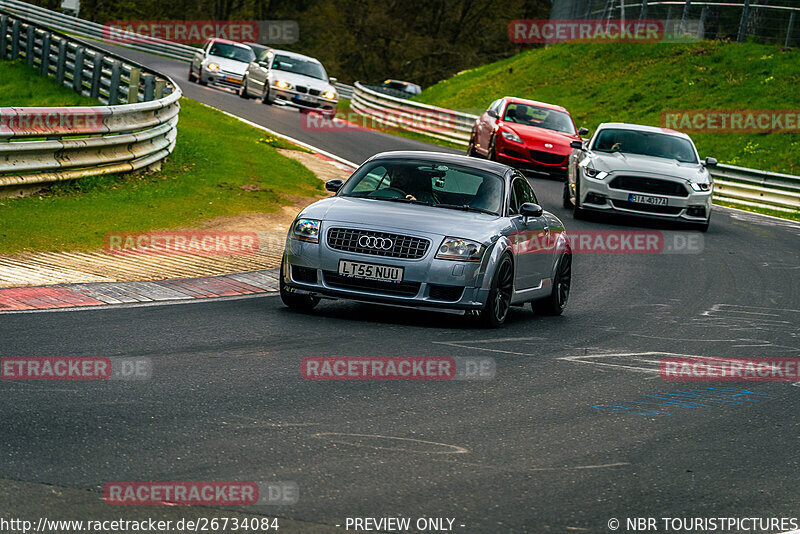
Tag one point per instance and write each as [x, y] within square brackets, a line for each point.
[791, 215]
[21, 86]
[635, 82]
[214, 158]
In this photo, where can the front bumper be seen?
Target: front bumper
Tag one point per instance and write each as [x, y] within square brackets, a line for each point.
[303, 101]
[222, 78]
[521, 157]
[597, 195]
[312, 269]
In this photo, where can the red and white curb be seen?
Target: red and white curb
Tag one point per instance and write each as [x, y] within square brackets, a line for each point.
[16, 299]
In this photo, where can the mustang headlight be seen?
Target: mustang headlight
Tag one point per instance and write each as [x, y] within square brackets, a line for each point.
[700, 186]
[594, 173]
[455, 248]
[511, 136]
[212, 66]
[283, 85]
[330, 95]
[306, 230]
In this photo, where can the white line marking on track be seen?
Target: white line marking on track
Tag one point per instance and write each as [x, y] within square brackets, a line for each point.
[454, 449]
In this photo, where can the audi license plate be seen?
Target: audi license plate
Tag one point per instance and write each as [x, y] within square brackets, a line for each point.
[645, 199]
[370, 271]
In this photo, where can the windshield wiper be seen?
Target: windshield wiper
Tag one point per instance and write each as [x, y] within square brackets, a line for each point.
[464, 207]
[400, 199]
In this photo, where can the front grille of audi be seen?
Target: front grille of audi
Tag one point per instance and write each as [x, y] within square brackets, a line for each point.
[377, 243]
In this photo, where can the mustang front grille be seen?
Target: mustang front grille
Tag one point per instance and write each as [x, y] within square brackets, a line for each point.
[649, 185]
[377, 243]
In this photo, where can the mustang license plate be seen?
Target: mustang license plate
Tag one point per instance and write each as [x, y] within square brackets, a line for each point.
[646, 199]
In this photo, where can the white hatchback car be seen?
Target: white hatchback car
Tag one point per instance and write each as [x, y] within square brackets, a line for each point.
[292, 79]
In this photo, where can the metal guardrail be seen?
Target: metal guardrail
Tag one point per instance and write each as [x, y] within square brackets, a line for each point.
[137, 128]
[749, 187]
[345, 91]
[754, 188]
[440, 123]
[84, 28]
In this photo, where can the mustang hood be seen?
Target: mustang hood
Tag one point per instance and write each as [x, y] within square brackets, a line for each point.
[397, 217]
[647, 165]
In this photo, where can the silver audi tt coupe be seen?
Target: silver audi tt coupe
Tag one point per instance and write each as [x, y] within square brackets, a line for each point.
[429, 230]
[640, 170]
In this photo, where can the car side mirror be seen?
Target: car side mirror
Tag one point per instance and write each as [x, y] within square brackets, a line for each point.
[711, 162]
[529, 209]
[334, 185]
[333, 80]
[576, 144]
[583, 131]
[492, 113]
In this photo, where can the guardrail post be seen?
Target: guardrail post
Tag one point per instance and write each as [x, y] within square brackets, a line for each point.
[97, 74]
[701, 28]
[30, 42]
[62, 61]
[3, 39]
[113, 89]
[133, 85]
[684, 16]
[77, 73]
[15, 40]
[45, 66]
[743, 22]
[788, 31]
[159, 89]
[149, 87]
[643, 12]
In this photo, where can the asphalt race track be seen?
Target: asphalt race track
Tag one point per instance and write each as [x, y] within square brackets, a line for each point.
[538, 448]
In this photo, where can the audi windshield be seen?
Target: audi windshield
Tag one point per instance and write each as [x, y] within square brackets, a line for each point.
[424, 182]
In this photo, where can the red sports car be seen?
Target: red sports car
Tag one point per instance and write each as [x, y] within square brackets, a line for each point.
[526, 134]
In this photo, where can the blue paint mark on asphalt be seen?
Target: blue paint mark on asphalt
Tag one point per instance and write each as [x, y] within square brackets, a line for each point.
[686, 398]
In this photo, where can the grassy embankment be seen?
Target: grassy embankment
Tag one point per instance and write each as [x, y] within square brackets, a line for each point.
[220, 166]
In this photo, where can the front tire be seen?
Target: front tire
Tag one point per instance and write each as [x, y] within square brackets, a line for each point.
[293, 301]
[471, 146]
[557, 301]
[192, 77]
[491, 154]
[243, 90]
[265, 98]
[567, 201]
[494, 313]
[577, 211]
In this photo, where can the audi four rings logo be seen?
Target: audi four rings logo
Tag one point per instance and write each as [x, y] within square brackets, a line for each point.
[380, 243]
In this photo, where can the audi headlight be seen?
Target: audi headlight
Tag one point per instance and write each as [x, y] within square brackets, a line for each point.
[283, 85]
[455, 248]
[594, 173]
[330, 95]
[212, 66]
[700, 186]
[306, 230]
[511, 136]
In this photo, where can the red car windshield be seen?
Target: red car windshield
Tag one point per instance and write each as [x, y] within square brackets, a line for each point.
[530, 115]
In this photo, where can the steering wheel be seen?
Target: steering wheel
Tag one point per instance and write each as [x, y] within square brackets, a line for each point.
[389, 192]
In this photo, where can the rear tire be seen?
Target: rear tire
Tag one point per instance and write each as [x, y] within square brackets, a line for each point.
[567, 201]
[296, 302]
[494, 313]
[557, 301]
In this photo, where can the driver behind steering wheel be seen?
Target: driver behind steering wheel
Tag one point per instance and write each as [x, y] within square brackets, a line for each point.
[413, 185]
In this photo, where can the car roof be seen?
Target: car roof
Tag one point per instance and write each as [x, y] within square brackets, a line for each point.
[641, 128]
[444, 157]
[295, 55]
[227, 41]
[545, 105]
